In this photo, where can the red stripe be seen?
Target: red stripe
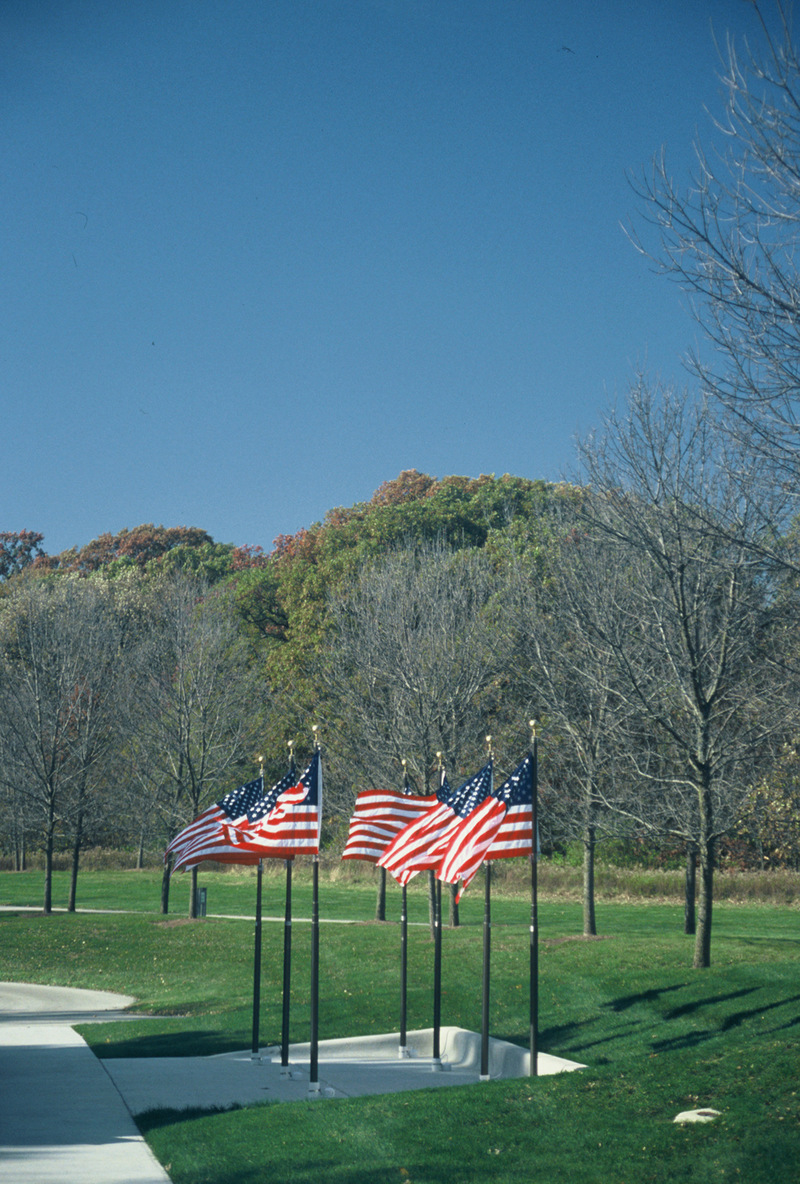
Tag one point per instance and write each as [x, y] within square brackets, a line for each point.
[470, 842]
[379, 816]
[515, 836]
[420, 845]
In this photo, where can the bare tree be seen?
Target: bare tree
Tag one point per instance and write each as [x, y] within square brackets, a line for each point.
[197, 704]
[59, 646]
[731, 241]
[696, 631]
[414, 669]
[414, 663]
[569, 680]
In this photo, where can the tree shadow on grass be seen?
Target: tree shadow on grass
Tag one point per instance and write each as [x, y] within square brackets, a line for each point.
[581, 1039]
[697, 1004]
[623, 1002]
[739, 1017]
[735, 1020]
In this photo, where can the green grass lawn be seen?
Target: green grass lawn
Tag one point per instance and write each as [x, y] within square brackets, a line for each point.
[233, 893]
[657, 1036]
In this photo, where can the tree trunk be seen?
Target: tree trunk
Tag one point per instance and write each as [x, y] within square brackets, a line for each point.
[140, 851]
[453, 918]
[19, 850]
[380, 903]
[690, 890]
[193, 900]
[702, 945]
[76, 855]
[165, 886]
[48, 871]
[589, 921]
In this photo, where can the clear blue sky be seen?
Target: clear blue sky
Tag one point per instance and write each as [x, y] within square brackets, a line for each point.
[258, 256]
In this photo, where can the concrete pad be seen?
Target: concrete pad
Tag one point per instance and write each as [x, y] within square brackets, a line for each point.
[346, 1068]
[62, 1121]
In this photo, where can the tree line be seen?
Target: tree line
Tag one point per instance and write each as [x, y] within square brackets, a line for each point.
[643, 621]
[645, 612]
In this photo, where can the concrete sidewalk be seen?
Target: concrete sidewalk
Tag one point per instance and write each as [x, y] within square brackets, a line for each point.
[62, 1119]
[66, 1118]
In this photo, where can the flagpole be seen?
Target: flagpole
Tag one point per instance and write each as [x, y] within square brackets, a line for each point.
[487, 955]
[287, 967]
[257, 964]
[437, 959]
[403, 1050]
[287, 949]
[257, 949]
[314, 1058]
[534, 979]
[437, 972]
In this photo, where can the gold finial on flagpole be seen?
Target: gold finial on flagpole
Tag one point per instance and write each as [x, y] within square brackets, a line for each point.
[532, 724]
[315, 729]
[489, 745]
[439, 761]
[260, 760]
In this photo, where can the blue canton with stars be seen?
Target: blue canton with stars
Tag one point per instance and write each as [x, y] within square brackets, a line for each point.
[472, 792]
[260, 809]
[517, 790]
[239, 801]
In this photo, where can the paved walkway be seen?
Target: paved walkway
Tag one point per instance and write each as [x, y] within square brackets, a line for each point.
[62, 1119]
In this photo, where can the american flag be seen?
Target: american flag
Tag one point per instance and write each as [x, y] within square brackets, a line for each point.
[500, 827]
[290, 825]
[380, 814]
[205, 837]
[422, 843]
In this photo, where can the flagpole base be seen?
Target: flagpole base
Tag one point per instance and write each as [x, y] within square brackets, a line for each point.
[403, 1052]
[484, 1077]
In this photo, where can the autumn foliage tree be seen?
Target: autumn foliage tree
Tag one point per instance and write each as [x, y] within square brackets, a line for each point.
[18, 549]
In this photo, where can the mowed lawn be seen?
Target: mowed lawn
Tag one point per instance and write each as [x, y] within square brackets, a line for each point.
[657, 1036]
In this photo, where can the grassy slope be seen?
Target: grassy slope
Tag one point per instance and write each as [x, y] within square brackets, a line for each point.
[658, 1037]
